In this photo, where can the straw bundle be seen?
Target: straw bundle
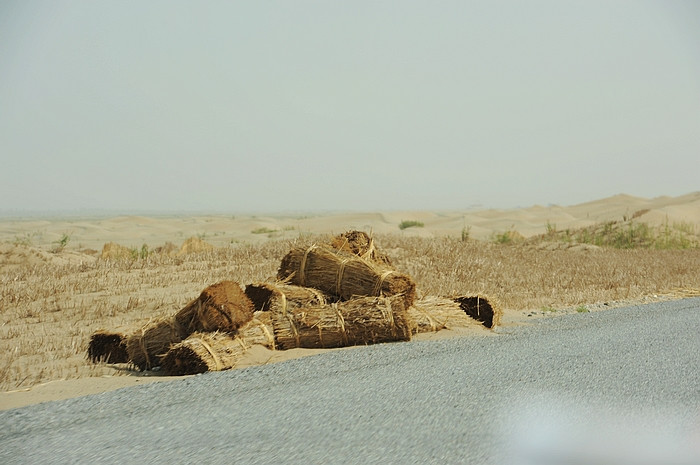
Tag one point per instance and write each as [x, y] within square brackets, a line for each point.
[220, 307]
[258, 332]
[343, 274]
[217, 351]
[202, 352]
[362, 320]
[108, 347]
[361, 244]
[481, 308]
[152, 340]
[433, 313]
[280, 297]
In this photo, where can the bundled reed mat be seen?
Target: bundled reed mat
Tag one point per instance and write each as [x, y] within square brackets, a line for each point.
[343, 274]
[432, 313]
[108, 347]
[362, 320]
[361, 244]
[220, 307]
[217, 351]
[280, 296]
[202, 352]
[154, 339]
[481, 308]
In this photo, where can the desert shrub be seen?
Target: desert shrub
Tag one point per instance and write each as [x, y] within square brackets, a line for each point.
[410, 224]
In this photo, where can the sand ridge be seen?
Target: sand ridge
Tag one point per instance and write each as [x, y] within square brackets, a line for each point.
[221, 230]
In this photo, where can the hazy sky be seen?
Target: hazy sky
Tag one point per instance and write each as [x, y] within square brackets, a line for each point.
[273, 106]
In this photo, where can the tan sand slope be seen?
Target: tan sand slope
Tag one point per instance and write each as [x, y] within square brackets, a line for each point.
[134, 231]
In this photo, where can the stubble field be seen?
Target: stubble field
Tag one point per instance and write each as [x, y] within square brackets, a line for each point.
[49, 308]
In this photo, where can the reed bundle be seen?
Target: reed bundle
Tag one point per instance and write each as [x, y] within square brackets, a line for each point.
[108, 347]
[362, 320]
[432, 313]
[152, 340]
[343, 274]
[258, 332]
[361, 244]
[280, 296]
[220, 307]
[202, 352]
[486, 310]
[217, 351]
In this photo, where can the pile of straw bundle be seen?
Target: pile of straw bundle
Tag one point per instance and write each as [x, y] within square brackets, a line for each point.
[344, 275]
[361, 244]
[154, 339]
[432, 313]
[202, 352]
[280, 296]
[481, 308]
[220, 307]
[362, 320]
[108, 347]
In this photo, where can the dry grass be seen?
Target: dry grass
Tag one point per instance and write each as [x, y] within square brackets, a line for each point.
[48, 312]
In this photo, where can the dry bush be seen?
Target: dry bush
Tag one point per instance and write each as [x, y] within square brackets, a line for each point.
[48, 312]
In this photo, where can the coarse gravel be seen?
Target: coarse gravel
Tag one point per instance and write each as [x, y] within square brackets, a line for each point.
[621, 385]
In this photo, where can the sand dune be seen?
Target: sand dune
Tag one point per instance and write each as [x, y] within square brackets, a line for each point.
[220, 230]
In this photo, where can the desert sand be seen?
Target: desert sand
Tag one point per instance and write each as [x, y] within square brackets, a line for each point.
[220, 230]
[87, 235]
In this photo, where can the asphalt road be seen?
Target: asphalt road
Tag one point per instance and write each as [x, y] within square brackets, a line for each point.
[618, 386]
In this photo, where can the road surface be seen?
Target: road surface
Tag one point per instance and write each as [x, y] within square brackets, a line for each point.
[616, 386]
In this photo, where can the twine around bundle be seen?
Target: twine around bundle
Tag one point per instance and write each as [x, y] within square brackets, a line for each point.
[142, 345]
[339, 278]
[290, 318]
[284, 303]
[302, 267]
[213, 354]
[388, 314]
[270, 337]
[380, 282]
[341, 323]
